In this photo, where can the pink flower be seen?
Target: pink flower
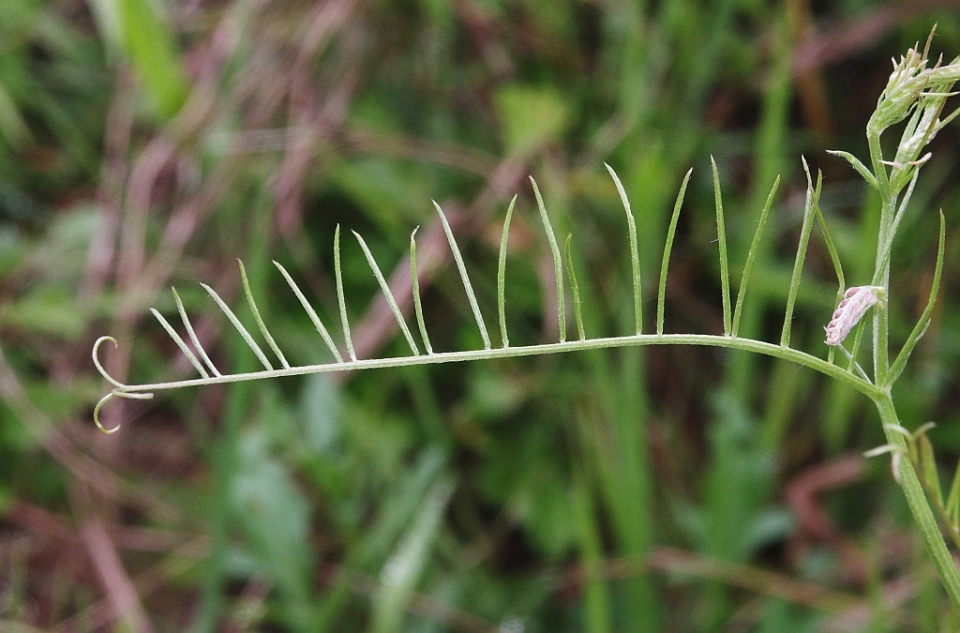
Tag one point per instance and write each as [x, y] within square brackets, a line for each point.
[855, 303]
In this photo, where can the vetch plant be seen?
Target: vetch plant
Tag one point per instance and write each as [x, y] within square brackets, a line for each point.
[914, 96]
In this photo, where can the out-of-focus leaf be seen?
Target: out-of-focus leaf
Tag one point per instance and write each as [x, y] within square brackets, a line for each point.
[550, 520]
[11, 248]
[729, 525]
[780, 616]
[523, 476]
[136, 28]
[769, 526]
[404, 568]
[530, 117]
[275, 517]
[494, 395]
[62, 255]
[6, 498]
[393, 195]
[44, 310]
[12, 126]
[381, 440]
[320, 414]
[403, 502]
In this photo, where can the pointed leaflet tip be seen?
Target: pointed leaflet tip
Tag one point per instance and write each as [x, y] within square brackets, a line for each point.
[387, 294]
[344, 321]
[314, 317]
[259, 320]
[634, 251]
[462, 268]
[557, 261]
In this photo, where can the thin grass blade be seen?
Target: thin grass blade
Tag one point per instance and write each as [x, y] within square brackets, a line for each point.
[751, 256]
[415, 285]
[574, 288]
[832, 249]
[855, 348]
[924, 322]
[634, 250]
[258, 318]
[812, 201]
[852, 357]
[557, 261]
[502, 274]
[668, 248]
[193, 334]
[180, 343]
[953, 500]
[865, 173]
[314, 317]
[467, 286]
[945, 121]
[837, 268]
[404, 568]
[344, 321]
[388, 295]
[239, 326]
[722, 239]
[928, 468]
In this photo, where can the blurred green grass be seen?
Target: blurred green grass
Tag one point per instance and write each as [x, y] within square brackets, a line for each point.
[628, 490]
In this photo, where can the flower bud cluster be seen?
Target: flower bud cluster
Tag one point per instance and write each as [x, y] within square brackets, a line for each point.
[916, 94]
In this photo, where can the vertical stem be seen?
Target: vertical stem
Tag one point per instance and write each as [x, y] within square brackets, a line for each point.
[881, 277]
[919, 507]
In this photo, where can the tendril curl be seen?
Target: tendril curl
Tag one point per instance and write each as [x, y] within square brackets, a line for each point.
[120, 390]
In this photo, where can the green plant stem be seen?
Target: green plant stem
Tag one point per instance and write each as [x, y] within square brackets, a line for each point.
[639, 340]
[919, 508]
[881, 277]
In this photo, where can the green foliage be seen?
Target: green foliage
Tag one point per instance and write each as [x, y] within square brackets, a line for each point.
[531, 118]
[646, 488]
[145, 39]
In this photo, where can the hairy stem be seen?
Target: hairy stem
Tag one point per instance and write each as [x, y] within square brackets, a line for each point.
[919, 507]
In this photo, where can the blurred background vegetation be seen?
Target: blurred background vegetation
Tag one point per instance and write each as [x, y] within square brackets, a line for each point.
[145, 144]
